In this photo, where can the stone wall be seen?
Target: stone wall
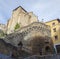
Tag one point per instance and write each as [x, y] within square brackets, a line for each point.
[35, 32]
[7, 49]
[36, 27]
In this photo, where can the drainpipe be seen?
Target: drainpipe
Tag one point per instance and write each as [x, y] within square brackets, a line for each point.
[55, 49]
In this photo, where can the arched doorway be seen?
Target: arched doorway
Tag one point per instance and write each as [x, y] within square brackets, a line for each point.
[48, 50]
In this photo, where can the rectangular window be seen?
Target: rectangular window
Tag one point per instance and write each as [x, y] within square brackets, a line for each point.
[56, 37]
[53, 23]
[54, 29]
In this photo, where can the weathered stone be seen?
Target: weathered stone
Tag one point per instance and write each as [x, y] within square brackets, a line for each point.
[21, 17]
[30, 34]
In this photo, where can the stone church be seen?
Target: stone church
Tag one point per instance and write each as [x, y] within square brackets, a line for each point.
[22, 17]
[32, 36]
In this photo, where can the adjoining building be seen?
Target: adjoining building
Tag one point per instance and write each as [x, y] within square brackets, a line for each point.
[55, 33]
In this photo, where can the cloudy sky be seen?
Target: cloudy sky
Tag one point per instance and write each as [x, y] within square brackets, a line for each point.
[44, 9]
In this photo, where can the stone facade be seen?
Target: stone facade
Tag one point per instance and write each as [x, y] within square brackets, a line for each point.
[36, 38]
[22, 17]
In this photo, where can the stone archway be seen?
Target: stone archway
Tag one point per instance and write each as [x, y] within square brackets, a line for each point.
[48, 50]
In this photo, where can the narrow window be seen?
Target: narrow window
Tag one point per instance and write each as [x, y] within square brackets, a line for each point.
[56, 37]
[53, 23]
[54, 29]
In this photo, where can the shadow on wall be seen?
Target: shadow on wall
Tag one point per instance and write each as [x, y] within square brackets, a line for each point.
[39, 46]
